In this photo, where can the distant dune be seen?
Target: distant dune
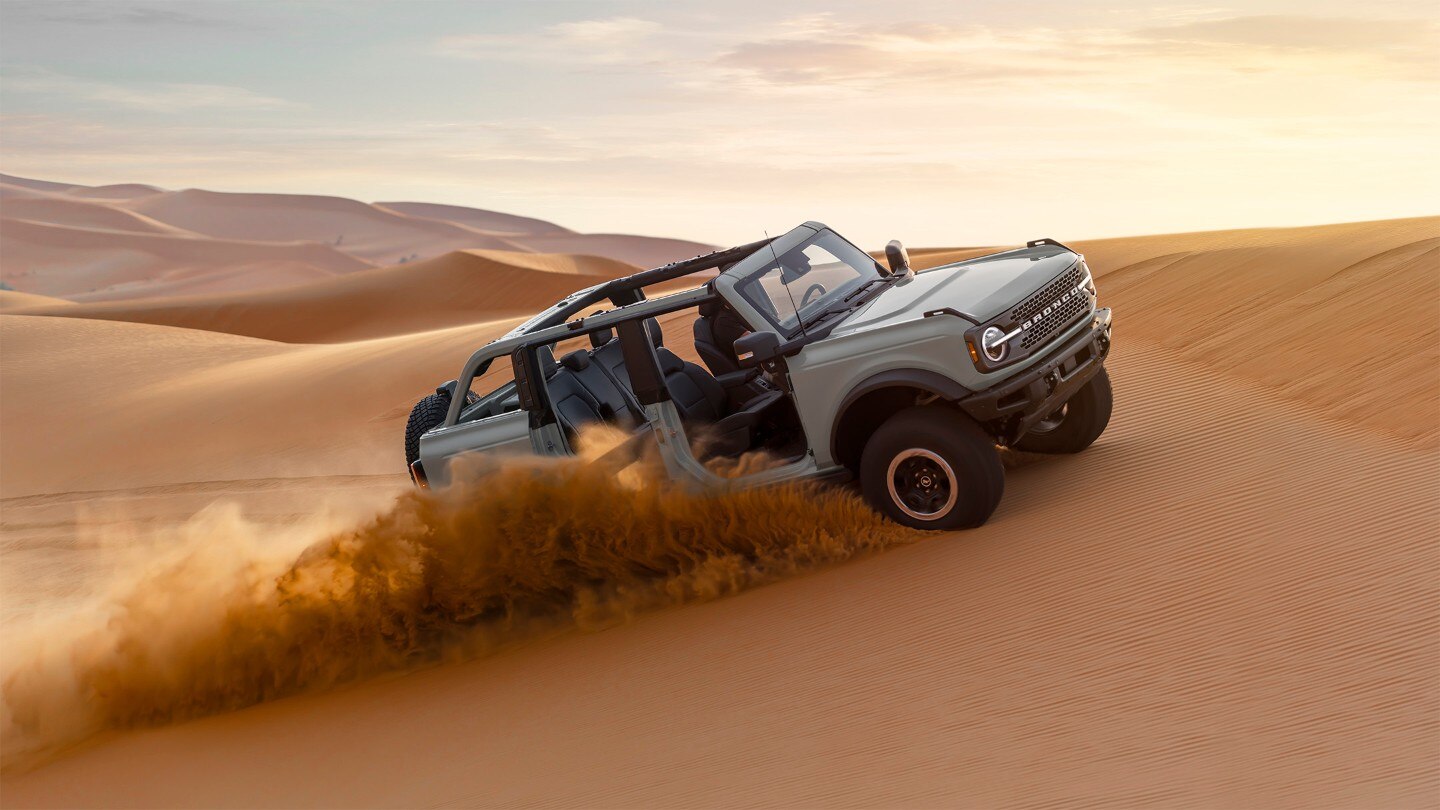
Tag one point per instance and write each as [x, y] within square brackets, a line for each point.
[74, 242]
[491, 222]
[11, 300]
[454, 289]
[1230, 600]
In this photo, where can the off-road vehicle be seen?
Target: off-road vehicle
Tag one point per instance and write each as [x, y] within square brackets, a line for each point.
[835, 364]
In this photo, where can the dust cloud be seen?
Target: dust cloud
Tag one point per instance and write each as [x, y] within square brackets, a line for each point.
[523, 549]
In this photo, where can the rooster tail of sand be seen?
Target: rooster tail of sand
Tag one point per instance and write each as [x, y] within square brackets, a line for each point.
[227, 617]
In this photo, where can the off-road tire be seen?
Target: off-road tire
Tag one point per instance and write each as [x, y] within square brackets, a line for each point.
[926, 444]
[427, 414]
[1085, 417]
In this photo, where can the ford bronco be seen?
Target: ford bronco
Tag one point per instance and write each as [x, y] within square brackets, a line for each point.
[833, 363]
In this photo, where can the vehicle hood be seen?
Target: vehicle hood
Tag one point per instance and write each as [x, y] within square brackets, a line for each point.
[979, 289]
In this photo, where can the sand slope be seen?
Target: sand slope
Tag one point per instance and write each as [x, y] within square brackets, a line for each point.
[11, 301]
[1231, 600]
[100, 243]
[90, 263]
[492, 222]
[454, 289]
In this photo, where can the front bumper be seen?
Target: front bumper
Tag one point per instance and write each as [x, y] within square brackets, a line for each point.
[1013, 407]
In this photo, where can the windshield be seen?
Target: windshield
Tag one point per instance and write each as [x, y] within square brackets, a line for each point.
[807, 279]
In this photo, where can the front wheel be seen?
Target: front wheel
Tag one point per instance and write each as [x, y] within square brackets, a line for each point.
[1077, 424]
[931, 467]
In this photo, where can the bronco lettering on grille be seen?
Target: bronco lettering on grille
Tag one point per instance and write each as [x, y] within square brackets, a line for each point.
[1055, 306]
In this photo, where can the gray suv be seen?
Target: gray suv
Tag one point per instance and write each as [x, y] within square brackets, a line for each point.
[833, 363]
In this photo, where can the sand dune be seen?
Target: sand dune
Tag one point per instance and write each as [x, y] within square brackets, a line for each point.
[11, 301]
[30, 184]
[117, 191]
[89, 263]
[372, 234]
[492, 222]
[231, 235]
[455, 289]
[1230, 600]
[640, 251]
[183, 405]
[84, 214]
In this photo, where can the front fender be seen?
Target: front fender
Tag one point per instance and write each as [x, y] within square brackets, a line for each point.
[925, 380]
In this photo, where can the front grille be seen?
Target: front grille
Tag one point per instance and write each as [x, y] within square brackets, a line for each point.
[1068, 313]
[1061, 316]
[1047, 295]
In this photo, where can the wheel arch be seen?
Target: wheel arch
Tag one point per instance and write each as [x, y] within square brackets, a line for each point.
[865, 407]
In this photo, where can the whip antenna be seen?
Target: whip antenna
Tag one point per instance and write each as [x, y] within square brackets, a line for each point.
[778, 266]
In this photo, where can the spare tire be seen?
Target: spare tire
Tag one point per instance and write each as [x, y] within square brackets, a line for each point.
[427, 414]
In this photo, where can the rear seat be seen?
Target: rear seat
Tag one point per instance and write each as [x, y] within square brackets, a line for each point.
[583, 391]
[574, 405]
[610, 357]
[613, 403]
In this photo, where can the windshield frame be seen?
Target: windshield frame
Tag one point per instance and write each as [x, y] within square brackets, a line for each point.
[867, 270]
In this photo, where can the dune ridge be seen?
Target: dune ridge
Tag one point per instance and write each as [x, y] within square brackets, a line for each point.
[450, 290]
[97, 243]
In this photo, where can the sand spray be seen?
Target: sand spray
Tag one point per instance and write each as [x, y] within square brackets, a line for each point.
[227, 618]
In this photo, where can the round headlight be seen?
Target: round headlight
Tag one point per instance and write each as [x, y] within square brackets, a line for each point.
[992, 342]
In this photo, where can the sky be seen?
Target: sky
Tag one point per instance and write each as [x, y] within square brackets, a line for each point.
[937, 123]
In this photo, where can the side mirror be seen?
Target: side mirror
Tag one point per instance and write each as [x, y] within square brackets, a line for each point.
[756, 348]
[898, 258]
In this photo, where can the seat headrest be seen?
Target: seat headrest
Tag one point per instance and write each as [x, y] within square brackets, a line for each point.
[669, 361]
[710, 309]
[600, 338]
[578, 360]
[657, 335]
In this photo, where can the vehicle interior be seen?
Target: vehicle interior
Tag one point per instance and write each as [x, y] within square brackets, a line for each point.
[731, 410]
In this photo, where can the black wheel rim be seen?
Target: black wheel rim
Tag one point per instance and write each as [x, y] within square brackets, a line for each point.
[922, 484]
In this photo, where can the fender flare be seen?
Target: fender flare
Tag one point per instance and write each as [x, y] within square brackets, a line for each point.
[930, 381]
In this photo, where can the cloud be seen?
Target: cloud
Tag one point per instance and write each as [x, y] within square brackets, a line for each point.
[160, 98]
[820, 52]
[614, 41]
[1297, 32]
[81, 12]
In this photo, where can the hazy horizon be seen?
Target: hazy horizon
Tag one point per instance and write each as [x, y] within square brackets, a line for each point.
[936, 123]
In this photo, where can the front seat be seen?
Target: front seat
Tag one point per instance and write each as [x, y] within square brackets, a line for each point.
[716, 331]
[700, 399]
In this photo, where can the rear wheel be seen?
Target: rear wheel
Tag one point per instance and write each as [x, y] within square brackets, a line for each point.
[931, 467]
[1077, 424]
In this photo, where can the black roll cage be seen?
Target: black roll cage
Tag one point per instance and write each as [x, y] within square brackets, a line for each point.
[630, 289]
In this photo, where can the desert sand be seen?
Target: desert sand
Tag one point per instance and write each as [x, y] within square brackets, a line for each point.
[137, 241]
[1232, 599]
[425, 295]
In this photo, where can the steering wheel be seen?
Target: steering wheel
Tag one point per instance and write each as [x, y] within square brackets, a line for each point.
[816, 290]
